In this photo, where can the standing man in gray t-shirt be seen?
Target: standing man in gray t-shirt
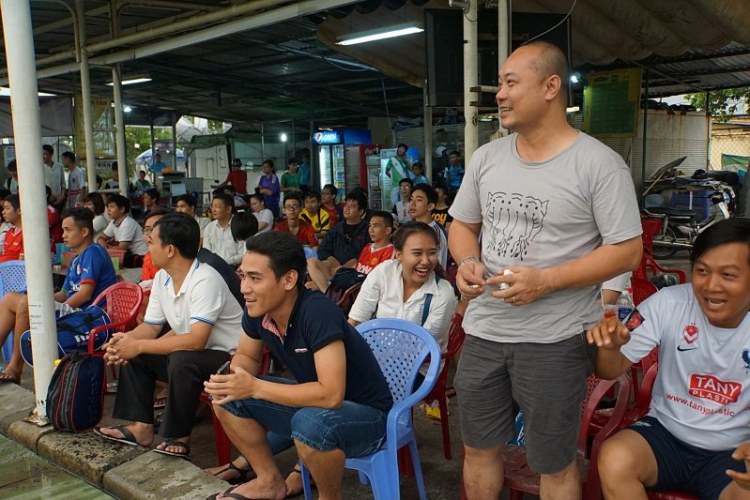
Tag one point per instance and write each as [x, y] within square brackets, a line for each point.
[558, 209]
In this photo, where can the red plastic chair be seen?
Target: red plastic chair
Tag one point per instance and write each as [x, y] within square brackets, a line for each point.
[118, 253]
[519, 477]
[639, 409]
[642, 289]
[123, 301]
[223, 444]
[456, 337]
[651, 227]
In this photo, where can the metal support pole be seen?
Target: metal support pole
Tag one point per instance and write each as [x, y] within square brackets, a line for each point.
[294, 141]
[263, 142]
[645, 135]
[174, 139]
[19, 50]
[122, 165]
[314, 169]
[503, 36]
[153, 146]
[88, 125]
[122, 162]
[427, 137]
[471, 130]
[708, 130]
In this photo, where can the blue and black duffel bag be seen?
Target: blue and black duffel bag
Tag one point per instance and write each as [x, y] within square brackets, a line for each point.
[73, 332]
[75, 397]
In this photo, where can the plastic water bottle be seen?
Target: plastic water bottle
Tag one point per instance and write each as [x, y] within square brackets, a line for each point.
[625, 304]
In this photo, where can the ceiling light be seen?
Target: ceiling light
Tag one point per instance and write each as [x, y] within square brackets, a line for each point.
[134, 80]
[283, 137]
[127, 109]
[5, 92]
[575, 78]
[380, 34]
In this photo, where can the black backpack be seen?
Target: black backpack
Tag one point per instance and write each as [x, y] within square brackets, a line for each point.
[75, 397]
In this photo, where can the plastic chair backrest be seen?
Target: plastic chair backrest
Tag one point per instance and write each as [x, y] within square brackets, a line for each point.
[67, 258]
[596, 390]
[651, 228]
[456, 336]
[13, 276]
[118, 253]
[401, 347]
[643, 396]
[123, 301]
[642, 289]
[650, 359]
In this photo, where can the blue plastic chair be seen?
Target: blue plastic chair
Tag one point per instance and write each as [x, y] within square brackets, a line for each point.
[12, 279]
[401, 347]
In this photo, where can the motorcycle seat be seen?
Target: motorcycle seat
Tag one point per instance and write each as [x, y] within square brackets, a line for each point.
[675, 213]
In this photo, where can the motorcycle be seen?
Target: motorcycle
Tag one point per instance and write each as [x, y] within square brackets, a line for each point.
[679, 227]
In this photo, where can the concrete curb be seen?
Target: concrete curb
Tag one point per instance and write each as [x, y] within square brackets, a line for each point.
[86, 455]
[153, 475]
[15, 404]
[127, 472]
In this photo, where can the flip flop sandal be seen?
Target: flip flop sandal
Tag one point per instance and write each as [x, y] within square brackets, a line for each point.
[243, 473]
[295, 470]
[128, 437]
[229, 493]
[9, 377]
[160, 403]
[184, 449]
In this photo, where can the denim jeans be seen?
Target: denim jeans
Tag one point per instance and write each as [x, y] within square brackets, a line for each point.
[354, 428]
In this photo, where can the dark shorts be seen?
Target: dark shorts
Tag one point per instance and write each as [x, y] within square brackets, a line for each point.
[684, 467]
[548, 381]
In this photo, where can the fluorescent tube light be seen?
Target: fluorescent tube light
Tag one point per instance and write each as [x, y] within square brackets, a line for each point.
[5, 92]
[133, 81]
[380, 34]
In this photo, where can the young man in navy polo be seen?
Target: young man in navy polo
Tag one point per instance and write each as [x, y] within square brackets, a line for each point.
[337, 405]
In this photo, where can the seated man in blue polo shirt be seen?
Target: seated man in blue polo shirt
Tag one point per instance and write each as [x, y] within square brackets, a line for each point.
[337, 405]
[89, 274]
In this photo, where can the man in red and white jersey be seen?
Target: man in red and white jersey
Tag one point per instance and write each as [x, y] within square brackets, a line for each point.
[696, 437]
[381, 249]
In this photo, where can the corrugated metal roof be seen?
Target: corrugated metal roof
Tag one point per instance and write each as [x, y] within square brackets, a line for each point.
[688, 46]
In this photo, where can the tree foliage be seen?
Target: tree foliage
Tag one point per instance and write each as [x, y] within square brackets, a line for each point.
[138, 140]
[722, 104]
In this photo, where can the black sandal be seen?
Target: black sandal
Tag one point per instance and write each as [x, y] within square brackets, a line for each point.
[184, 449]
[243, 474]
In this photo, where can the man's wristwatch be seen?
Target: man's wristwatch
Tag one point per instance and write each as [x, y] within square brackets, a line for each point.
[467, 260]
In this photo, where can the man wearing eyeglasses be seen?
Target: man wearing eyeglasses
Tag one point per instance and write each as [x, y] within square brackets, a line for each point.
[301, 230]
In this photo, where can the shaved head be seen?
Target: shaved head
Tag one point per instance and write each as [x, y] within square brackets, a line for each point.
[550, 60]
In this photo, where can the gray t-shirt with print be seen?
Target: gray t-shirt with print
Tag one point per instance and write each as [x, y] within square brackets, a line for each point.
[543, 214]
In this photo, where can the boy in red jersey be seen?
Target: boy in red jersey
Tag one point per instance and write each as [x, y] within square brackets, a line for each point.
[381, 249]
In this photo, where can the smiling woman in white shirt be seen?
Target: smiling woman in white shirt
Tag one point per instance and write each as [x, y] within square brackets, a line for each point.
[411, 287]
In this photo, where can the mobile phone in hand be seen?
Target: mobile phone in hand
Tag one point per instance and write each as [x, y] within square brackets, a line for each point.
[634, 320]
[223, 369]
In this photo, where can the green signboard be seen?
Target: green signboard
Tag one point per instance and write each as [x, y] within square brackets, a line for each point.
[610, 103]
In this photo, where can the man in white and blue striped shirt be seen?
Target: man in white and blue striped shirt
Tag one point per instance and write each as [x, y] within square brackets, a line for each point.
[205, 321]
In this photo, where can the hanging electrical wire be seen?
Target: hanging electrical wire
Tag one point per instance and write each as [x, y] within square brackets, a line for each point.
[555, 26]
